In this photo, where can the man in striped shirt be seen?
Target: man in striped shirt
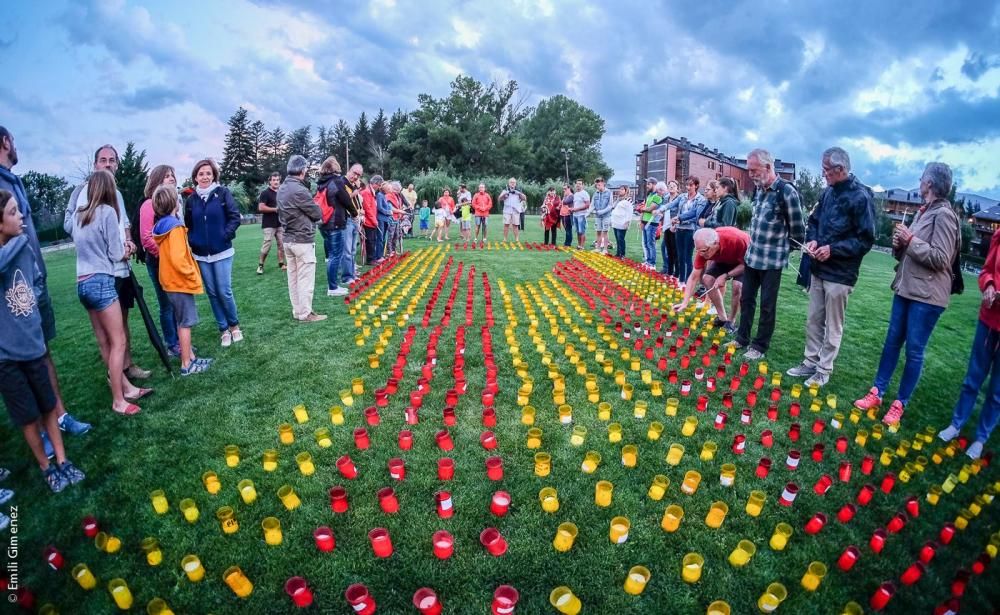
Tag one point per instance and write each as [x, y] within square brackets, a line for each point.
[777, 219]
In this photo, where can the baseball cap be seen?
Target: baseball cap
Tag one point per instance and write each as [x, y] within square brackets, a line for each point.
[651, 180]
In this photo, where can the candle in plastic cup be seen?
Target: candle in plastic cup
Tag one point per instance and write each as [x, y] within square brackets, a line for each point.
[159, 500]
[727, 475]
[852, 608]
[189, 510]
[565, 536]
[534, 438]
[528, 415]
[232, 456]
[579, 435]
[672, 517]
[692, 479]
[549, 499]
[323, 438]
[192, 567]
[740, 556]
[151, 547]
[614, 433]
[672, 405]
[346, 397]
[301, 415]
[639, 411]
[357, 386]
[602, 493]
[564, 601]
[813, 576]
[270, 460]
[630, 455]
[305, 462]
[779, 539]
[618, 533]
[691, 567]
[107, 543]
[247, 491]
[84, 577]
[543, 464]
[675, 454]
[719, 607]
[772, 597]
[336, 415]
[689, 427]
[237, 581]
[708, 451]
[211, 481]
[635, 582]
[565, 414]
[227, 520]
[654, 431]
[755, 503]
[604, 411]
[120, 593]
[272, 530]
[716, 514]
[157, 606]
[658, 488]
[590, 462]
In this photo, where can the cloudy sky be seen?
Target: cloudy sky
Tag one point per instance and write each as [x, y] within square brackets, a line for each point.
[897, 83]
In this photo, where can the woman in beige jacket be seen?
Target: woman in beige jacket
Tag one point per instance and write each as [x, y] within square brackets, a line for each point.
[925, 252]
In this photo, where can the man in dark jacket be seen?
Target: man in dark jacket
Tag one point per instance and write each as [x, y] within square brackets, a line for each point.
[298, 215]
[840, 231]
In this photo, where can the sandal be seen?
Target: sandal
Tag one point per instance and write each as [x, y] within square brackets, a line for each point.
[142, 393]
[54, 478]
[128, 410]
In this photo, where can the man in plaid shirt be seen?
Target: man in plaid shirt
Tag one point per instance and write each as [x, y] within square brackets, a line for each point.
[777, 218]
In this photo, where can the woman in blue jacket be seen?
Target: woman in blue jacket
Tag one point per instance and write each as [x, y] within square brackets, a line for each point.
[212, 217]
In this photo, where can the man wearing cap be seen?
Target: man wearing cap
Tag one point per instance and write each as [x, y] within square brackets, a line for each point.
[601, 202]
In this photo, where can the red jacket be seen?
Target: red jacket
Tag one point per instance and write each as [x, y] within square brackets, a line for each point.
[989, 276]
[482, 203]
[370, 208]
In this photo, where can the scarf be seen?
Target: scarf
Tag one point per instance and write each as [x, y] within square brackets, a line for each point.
[204, 192]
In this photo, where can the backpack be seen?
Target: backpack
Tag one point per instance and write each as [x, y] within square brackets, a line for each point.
[324, 206]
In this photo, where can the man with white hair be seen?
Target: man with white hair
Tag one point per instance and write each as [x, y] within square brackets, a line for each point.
[840, 231]
[718, 256]
[776, 221]
[299, 215]
[513, 204]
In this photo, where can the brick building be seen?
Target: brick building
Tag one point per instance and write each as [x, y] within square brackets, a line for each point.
[673, 158]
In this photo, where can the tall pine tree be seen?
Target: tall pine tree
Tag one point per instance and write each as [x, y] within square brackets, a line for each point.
[300, 142]
[133, 171]
[238, 155]
[396, 122]
[380, 129]
[361, 141]
[258, 141]
[274, 148]
[322, 148]
[340, 141]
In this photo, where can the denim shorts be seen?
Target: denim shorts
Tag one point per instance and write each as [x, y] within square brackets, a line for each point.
[580, 224]
[97, 292]
[602, 223]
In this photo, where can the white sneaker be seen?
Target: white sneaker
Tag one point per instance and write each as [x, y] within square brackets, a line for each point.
[227, 339]
[238, 335]
[948, 433]
[975, 450]
[340, 291]
[753, 354]
[818, 379]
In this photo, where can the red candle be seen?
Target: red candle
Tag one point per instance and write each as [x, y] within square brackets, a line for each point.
[338, 499]
[877, 542]
[844, 471]
[702, 403]
[487, 398]
[912, 574]
[451, 397]
[489, 417]
[758, 384]
[448, 416]
[445, 509]
[913, 507]
[500, 503]
[927, 552]
[391, 386]
[300, 593]
[767, 438]
[814, 525]
[720, 420]
[772, 413]
[381, 398]
[897, 523]
[324, 539]
[405, 440]
[53, 558]
[794, 432]
[751, 398]
[443, 439]
[347, 468]
[792, 461]
[488, 439]
[846, 512]
[90, 526]
[788, 494]
[947, 533]
[685, 384]
[888, 482]
[381, 544]
[360, 600]
[427, 601]
[848, 558]
[979, 566]
[410, 414]
[361, 439]
[685, 363]
[817, 453]
[734, 384]
[746, 416]
[388, 501]
[959, 583]
[744, 369]
[494, 468]
[842, 444]
[739, 444]
[948, 607]
[493, 541]
[661, 363]
[397, 468]
[823, 484]
[763, 467]
[867, 465]
[882, 596]
[444, 544]
[818, 426]
[446, 468]
[727, 400]
[504, 599]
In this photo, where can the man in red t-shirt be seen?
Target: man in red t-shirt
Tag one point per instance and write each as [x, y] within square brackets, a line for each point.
[719, 256]
[482, 204]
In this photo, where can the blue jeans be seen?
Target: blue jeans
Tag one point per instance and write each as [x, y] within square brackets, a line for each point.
[334, 253]
[167, 321]
[910, 322]
[685, 248]
[218, 280]
[327, 243]
[620, 242]
[649, 242]
[384, 233]
[984, 359]
[668, 248]
[567, 222]
[349, 239]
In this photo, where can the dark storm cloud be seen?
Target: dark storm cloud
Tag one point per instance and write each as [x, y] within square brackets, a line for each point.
[152, 98]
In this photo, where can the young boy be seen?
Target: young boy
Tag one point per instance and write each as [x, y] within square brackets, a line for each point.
[465, 224]
[440, 220]
[425, 219]
[179, 274]
[24, 379]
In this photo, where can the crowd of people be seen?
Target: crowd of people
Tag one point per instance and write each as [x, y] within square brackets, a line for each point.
[185, 240]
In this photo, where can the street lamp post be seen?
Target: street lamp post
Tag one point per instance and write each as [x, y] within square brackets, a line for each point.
[566, 156]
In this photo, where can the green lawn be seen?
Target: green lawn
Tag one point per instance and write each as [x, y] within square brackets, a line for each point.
[252, 388]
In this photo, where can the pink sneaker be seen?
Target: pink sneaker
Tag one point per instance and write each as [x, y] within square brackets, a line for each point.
[894, 414]
[869, 401]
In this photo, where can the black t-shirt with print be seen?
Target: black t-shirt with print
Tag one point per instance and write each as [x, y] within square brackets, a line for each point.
[270, 198]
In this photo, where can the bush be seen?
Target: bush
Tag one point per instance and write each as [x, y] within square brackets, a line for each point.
[52, 234]
[243, 201]
[743, 214]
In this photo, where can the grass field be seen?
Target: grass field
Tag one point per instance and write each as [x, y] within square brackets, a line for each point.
[252, 388]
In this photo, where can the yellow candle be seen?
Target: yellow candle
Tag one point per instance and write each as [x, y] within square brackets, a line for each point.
[716, 515]
[237, 581]
[779, 539]
[639, 411]
[565, 536]
[227, 520]
[602, 493]
[159, 500]
[755, 503]
[647, 376]
[813, 576]
[740, 556]
[853, 608]
[564, 601]
[528, 415]
[192, 567]
[619, 530]
[796, 391]
[772, 597]
[635, 582]
[579, 435]
[727, 475]
[543, 464]
[285, 433]
[672, 517]
[549, 499]
[157, 606]
[336, 415]
[719, 607]
[590, 462]
[120, 593]
[691, 567]
[346, 397]
[247, 491]
[151, 547]
[630, 455]
[270, 460]
[672, 405]
[675, 454]
[211, 481]
[933, 495]
[305, 462]
[658, 488]
[691, 481]
[232, 456]
[84, 577]
[300, 413]
[357, 386]
[614, 433]
[288, 497]
[654, 431]
[190, 510]
[689, 427]
[323, 438]
[272, 530]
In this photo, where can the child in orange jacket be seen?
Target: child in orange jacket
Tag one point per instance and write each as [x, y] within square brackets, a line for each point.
[179, 274]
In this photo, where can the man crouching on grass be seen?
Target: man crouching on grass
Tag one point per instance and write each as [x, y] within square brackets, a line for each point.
[718, 256]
